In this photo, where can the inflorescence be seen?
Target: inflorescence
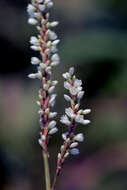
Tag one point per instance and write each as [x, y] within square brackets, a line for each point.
[46, 43]
[73, 116]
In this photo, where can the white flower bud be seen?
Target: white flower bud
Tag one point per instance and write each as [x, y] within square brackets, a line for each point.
[64, 136]
[42, 65]
[51, 89]
[86, 111]
[55, 42]
[79, 137]
[35, 61]
[54, 83]
[32, 76]
[41, 7]
[52, 114]
[38, 103]
[30, 8]
[74, 151]
[47, 111]
[40, 142]
[67, 97]
[73, 145]
[66, 75]
[55, 63]
[67, 85]
[53, 131]
[52, 124]
[54, 24]
[71, 70]
[80, 94]
[52, 35]
[34, 40]
[37, 15]
[32, 21]
[35, 48]
[64, 119]
[70, 112]
[50, 5]
[86, 122]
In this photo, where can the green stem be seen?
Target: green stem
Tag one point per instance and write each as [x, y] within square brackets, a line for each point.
[54, 182]
[47, 174]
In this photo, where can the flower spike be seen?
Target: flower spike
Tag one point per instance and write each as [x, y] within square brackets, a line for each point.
[73, 116]
[46, 43]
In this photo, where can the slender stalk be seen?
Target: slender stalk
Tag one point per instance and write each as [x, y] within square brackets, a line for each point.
[54, 182]
[47, 173]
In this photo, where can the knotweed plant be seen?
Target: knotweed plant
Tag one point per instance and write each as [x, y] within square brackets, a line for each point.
[46, 44]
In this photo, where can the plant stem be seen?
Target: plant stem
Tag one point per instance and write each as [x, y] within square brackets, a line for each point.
[54, 182]
[47, 174]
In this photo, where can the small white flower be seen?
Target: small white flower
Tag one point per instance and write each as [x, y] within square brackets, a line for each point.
[79, 137]
[71, 70]
[86, 122]
[73, 90]
[67, 97]
[64, 136]
[54, 24]
[40, 142]
[48, 69]
[41, 7]
[49, 5]
[54, 83]
[86, 111]
[73, 145]
[55, 42]
[55, 58]
[70, 112]
[47, 1]
[67, 85]
[37, 15]
[34, 40]
[51, 89]
[52, 35]
[53, 131]
[32, 76]
[42, 65]
[52, 100]
[52, 124]
[55, 63]
[77, 83]
[35, 61]
[52, 114]
[74, 151]
[30, 9]
[47, 111]
[40, 112]
[35, 48]
[79, 119]
[64, 119]
[53, 49]
[32, 21]
[80, 94]
[66, 75]
[47, 51]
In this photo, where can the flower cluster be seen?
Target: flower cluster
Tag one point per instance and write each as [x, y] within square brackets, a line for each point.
[46, 43]
[73, 116]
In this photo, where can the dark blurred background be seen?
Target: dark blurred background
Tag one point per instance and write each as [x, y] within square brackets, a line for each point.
[93, 37]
